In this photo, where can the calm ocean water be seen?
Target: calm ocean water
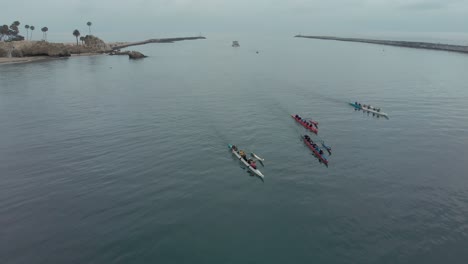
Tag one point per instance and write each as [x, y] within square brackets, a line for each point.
[107, 160]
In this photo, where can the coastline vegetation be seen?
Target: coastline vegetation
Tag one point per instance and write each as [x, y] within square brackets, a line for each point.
[12, 32]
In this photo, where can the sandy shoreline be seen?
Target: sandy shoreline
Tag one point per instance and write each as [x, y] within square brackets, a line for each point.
[15, 60]
[4, 60]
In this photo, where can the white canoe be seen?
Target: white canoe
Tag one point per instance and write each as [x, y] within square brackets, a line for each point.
[255, 171]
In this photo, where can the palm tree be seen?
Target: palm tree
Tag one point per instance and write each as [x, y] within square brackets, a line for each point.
[32, 28]
[76, 33]
[82, 40]
[44, 33]
[27, 31]
[89, 26]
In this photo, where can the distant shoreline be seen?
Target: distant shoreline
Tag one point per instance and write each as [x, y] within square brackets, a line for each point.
[18, 60]
[406, 44]
[81, 50]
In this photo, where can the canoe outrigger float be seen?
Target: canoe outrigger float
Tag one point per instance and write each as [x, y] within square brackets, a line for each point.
[315, 149]
[249, 166]
[368, 109]
[309, 125]
[258, 158]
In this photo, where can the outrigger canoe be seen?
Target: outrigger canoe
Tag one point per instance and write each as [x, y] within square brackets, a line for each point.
[366, 109]
[252, 169]
[316, 153]
[304, 124]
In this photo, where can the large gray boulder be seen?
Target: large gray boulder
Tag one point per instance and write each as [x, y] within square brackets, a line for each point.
[136, 55]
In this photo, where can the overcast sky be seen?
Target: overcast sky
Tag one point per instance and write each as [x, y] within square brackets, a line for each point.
[152, 18]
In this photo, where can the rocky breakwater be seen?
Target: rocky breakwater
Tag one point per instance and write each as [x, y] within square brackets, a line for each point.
[406, 44]
[119, 46]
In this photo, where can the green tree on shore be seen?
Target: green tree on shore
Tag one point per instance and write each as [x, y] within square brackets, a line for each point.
[14, 28]
[82, 40]
[32, 28]
[11, 33]
[27, 31]
[4, 31]
[76, 33]
[89, 24]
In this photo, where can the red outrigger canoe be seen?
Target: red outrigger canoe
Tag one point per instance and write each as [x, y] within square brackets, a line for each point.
[317, 154]
[311, 127]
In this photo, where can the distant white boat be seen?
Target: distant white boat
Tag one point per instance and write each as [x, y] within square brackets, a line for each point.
[235, 43]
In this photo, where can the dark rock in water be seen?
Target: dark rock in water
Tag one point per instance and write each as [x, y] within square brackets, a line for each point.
[136, 55]
[131, 54]
[118, 52]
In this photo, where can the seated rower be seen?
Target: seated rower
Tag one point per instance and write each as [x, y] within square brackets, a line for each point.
[242, 154]
[252, 164]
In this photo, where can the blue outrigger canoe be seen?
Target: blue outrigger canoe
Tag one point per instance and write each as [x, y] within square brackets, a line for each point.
[366, 109]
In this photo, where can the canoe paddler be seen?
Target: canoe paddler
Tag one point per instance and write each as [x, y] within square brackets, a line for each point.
[242, 154]
[252, 163]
